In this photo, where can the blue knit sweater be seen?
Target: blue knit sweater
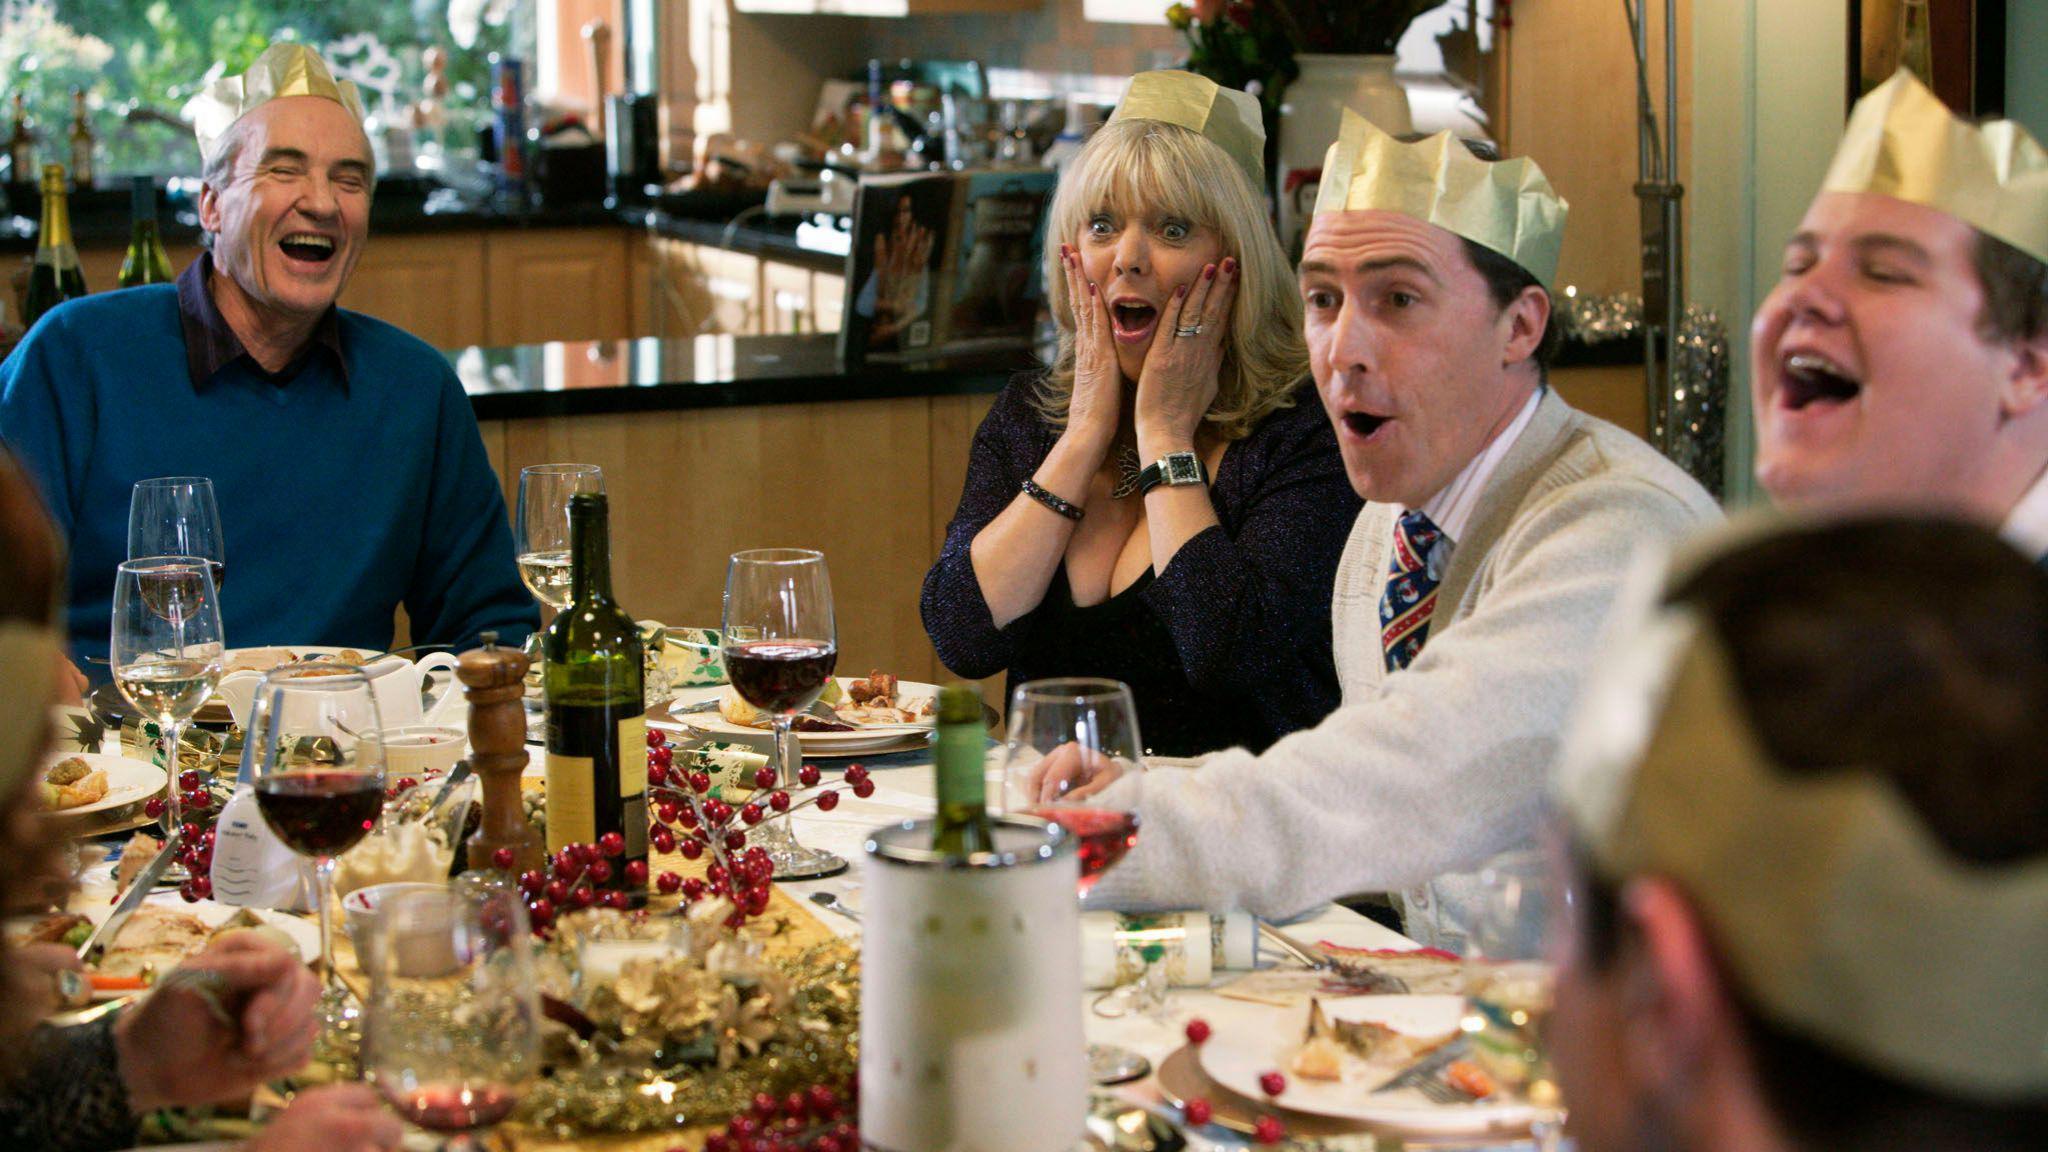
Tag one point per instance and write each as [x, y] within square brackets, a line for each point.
[341, 497]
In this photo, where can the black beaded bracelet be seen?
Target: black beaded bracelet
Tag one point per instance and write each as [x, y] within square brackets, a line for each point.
[1032, 489]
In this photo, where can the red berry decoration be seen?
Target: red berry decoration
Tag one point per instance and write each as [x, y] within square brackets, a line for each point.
[807, 775]
[735, 840]
[687, 818]
[700, 782]
[558, 891]
[618, 900]
[1198, 1031]
[693, 888]
[864, 789]
[600, 871]
[827, 801]
[779, 801]
[656, 738]
[636, 873]
[662, 756]
[189, 780]
[855, 773]
[667, 883]
[1272, 1083]
[582, 897]
[656, 776]
[664, 840]
[668, 811]
[503, 859]
[531, 883]
[691, 848]
[155, 808]
[199, 801]
[612, 844]
[1196, 1111]
[751, 813]
[764, 777]
[717, 812]
[1268, 1130]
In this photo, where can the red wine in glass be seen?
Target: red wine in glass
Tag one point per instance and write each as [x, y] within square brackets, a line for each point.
[322, 812]
[780, 676]
[455, 1107]
[1105, 835]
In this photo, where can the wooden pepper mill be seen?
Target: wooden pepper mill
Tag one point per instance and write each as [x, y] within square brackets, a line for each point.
[494, 679]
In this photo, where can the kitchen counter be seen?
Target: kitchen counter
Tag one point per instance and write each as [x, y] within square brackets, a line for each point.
[587, 377]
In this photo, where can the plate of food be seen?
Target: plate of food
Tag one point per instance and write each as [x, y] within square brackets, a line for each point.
[89, 782]
[161, 934]
[109, 706]
[873, 713]
[1335, 1056]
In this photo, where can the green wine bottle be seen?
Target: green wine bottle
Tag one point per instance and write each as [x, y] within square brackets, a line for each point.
[963, 827]
[146, 261]
[56, 276]
[597, 726]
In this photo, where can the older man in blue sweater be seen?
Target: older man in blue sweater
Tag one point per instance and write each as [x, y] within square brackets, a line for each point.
[343, 453]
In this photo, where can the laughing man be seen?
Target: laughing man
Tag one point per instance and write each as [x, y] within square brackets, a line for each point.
[1498, 525]
[344, 456]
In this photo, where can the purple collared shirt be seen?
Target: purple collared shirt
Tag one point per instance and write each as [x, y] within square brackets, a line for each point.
[211, 345]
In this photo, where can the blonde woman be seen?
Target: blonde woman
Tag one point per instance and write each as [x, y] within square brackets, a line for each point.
[1165, 505]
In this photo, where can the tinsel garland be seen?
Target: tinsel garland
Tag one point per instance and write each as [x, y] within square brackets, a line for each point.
[1690, 423]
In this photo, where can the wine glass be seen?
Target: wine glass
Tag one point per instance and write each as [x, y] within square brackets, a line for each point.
[1510, 981]
[176, 516]
[166, 651]
[451, 1035]
[319, 777]
[542, 527]
[780, 647]
[1069, 739]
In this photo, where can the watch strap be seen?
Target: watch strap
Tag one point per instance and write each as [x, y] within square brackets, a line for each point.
[1175, 469]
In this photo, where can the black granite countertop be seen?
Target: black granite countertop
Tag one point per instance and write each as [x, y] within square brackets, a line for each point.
[575, 378]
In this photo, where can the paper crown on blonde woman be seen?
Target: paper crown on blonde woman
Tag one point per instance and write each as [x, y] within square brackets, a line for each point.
[1903, 142]
[283, 70]
[1229, 118]
[1506, 205]
[1836, 911]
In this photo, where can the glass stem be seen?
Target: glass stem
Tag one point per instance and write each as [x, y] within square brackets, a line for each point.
[174, 810]
[323, 891]
[788, 758]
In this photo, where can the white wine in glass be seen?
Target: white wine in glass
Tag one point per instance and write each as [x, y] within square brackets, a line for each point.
[542, 526]
[177, 516]
[166, 650]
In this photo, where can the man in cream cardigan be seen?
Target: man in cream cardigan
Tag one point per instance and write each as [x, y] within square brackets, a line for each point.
[1902, 360]
[1498, 527]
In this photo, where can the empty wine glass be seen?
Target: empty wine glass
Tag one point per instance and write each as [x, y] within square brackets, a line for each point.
[177, 516]
[780, 646]
[1069, 740]
[451, 1035]
[1510, 981]
[542, 527]
[166, 650]
[319, 776]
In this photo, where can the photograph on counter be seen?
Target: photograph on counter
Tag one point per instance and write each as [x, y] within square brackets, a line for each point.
[899, 233]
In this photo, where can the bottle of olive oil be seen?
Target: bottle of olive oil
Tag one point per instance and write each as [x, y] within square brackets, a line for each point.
[597, 727]
[56, 276]
[962, 827]
[146, 261]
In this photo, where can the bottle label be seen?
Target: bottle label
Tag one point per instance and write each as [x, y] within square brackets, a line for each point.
[572, 792]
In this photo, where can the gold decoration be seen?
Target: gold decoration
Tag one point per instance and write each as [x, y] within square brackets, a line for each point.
[1506, 205]
[283, 70]
[1228, 117]
[1825, 893]
[1903, 142]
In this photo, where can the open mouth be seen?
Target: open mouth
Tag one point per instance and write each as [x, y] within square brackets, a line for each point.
[1133, 319]
[307, 247]
[1811, 378]
[1363, 424]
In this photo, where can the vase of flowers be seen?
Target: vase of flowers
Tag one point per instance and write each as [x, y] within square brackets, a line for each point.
[1243, 44]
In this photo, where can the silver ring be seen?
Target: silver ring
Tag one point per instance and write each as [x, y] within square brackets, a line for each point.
[1188, 330]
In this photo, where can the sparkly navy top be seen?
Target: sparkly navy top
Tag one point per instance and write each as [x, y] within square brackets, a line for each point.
[1230, 645]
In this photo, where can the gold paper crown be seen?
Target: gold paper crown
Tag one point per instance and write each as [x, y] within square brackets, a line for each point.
[1903, 142]
[282, 70]
[1506, 205]
[1228, 117]
[1824, 893]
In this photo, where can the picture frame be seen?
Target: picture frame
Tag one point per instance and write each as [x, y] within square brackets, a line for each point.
[1967, 51]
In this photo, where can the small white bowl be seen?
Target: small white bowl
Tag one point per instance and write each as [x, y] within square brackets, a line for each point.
[420, 749]
[359, 912]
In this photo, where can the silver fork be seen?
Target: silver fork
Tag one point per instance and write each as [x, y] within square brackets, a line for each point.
[1426, 1076]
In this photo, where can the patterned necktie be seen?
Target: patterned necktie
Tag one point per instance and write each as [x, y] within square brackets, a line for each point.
[1410, 596]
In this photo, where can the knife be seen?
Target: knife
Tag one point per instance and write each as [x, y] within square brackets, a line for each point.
[144, 884]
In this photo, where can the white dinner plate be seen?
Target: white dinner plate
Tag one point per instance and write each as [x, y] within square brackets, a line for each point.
[1246, 1045]
[709, 724]
[129, 781]
[273, 655]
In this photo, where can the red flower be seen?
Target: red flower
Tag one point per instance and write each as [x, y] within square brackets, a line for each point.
[1208, 10]
[1239, 12]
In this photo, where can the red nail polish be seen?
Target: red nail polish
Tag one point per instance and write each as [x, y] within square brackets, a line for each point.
[1230, 265]
[1209, 273]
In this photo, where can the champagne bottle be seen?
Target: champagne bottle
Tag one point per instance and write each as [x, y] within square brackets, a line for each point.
[146, 261]
[82, 142]
[597, 726]
[962, 828]
[56, 276]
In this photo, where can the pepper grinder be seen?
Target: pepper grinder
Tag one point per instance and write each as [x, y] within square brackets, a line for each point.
[494, 679]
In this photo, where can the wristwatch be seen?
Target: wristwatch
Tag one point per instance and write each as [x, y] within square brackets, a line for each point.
[1175, 470]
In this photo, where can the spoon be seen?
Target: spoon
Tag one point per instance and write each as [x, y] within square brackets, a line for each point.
[831, 902]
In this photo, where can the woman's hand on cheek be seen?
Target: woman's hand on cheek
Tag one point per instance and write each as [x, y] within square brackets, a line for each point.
[1185, 362]
[1098, 382]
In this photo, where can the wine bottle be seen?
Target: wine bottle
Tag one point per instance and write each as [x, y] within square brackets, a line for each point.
[962, 828]
[56, 276]
[82, 142]
[597, 726]
[146, 261]
[21, 153]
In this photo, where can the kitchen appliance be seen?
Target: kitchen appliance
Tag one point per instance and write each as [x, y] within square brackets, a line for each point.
[631, 146]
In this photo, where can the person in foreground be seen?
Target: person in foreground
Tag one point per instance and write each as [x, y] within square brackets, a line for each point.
[1805, 843]
[1902, 360]
[1498, 527]
[345, 458]
[1164, 505]
[85, 1087]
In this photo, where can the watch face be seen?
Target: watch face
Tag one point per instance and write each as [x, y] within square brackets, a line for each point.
[1183, 468]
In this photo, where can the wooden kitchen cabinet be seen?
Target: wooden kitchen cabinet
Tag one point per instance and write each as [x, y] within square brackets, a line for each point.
[828, 299]
[698, 290]
[430, 285]
[561, 284]
[882, 7]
